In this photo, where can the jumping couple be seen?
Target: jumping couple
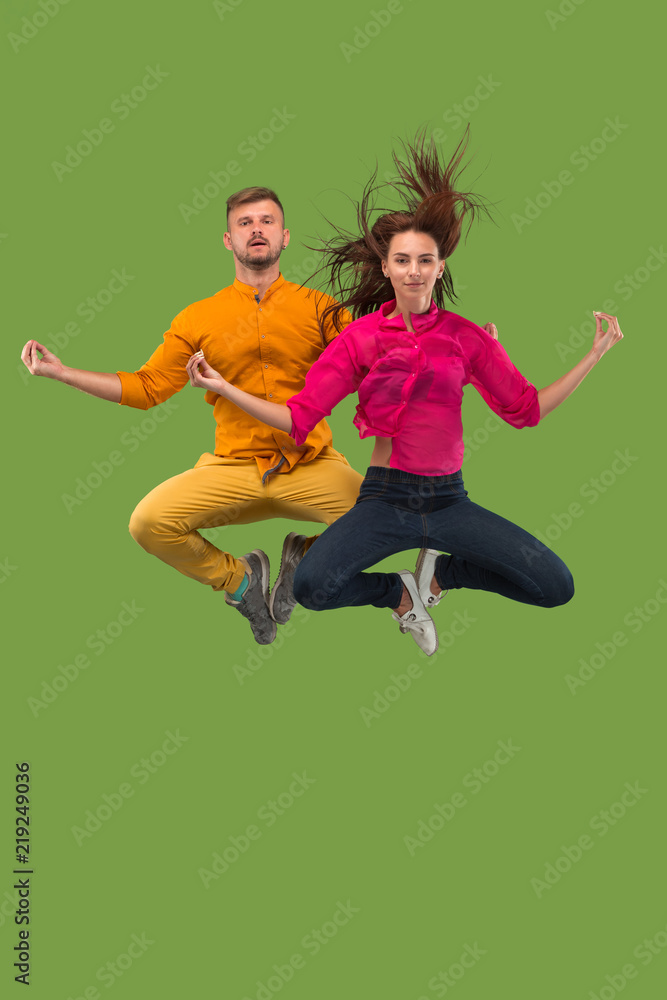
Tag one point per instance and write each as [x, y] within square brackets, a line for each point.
[276, 358]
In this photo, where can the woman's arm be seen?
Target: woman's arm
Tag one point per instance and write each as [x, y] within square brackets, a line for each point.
[553, 395]
[202, 375]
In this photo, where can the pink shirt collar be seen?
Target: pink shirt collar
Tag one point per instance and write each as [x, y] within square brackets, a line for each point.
[421, 322]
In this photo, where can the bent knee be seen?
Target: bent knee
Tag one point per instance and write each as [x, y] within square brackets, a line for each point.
[303, 591]
[560, 592]
[139, 526]
[308, 589]
[145, 527]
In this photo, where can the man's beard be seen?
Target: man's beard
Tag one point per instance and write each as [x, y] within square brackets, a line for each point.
[254, 263]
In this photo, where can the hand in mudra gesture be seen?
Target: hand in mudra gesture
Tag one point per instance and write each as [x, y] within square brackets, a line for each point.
[605, 339]
[202, 375]
[48, 365]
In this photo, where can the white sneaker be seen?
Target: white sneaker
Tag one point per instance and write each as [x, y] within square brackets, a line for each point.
[424, 572]
[417, 621]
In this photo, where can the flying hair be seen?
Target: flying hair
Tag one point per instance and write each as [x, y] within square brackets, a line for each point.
[426, 184]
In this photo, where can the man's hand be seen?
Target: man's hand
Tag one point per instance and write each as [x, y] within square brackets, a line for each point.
[490, 328]
[203, 376]
[48, 365]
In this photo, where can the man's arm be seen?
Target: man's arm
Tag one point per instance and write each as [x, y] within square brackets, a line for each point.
[104, 385]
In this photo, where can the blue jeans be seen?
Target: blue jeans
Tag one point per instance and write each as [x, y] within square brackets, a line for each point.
[398, 510]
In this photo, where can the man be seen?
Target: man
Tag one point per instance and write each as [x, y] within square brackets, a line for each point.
[263, 333]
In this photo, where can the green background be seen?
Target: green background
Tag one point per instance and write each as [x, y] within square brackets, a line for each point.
[172, 668]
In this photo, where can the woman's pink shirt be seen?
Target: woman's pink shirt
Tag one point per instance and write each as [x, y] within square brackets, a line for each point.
[410, 386]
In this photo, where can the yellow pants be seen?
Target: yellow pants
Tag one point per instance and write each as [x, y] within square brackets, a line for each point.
[220, 491]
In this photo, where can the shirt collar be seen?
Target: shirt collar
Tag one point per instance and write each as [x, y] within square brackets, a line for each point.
[251, 291]
[421, 322]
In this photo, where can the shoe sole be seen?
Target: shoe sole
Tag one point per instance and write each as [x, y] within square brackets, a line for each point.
[266, 571]
[281, 572]
[418, 568]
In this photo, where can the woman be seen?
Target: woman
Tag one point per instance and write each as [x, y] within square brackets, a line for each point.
[408, 358]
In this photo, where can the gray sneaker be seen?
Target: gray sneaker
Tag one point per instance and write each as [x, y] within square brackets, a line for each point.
[281, 602]
[254, 603]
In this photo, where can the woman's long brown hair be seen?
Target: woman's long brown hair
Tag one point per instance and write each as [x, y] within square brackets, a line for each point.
[431, 204]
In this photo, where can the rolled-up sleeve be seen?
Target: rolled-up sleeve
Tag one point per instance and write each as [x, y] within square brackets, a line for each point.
[164, 373]
[336, 373]
[500, 383]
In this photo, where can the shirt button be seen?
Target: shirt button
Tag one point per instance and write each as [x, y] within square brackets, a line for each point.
[262, 336]
[270, 395]
[266, 366]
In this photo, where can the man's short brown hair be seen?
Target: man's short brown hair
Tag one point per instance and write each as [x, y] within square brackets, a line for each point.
[252, 194]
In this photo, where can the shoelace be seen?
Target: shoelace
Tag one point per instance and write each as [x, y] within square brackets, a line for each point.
[410, 617]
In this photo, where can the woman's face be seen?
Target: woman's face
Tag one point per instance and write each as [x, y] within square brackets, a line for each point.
[413, 265]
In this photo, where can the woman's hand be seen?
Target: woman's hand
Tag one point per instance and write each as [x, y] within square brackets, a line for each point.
[553, 395]
[203, 376]
[273, 414]
[603, 340]
[490, 328]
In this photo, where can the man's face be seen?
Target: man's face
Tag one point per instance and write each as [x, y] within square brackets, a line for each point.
[256, 236]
